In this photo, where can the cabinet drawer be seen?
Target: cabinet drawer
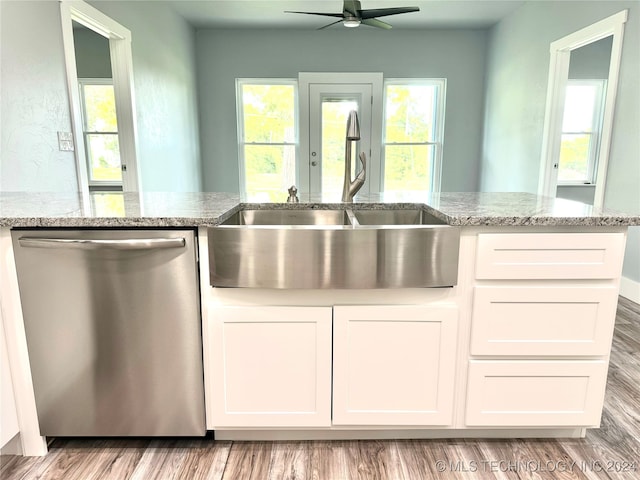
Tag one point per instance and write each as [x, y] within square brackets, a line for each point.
[565, 321]
[549, 256]
[535, 393]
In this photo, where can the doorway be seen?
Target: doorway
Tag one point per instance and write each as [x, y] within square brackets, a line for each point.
[329, 107]
[325, 102]
[96, 142]
[567, 141]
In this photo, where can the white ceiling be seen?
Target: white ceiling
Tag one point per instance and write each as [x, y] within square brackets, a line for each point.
[270, 14]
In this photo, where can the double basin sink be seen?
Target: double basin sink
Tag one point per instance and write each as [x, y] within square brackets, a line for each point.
[333, 248]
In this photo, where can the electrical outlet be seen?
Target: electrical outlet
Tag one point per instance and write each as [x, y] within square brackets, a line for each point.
[65, 141]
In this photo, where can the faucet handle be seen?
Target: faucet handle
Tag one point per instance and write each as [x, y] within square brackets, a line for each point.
[293, 198]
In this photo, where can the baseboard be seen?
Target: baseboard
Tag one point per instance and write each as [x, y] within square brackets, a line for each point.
[630, 289]
[347, 434]
[12, 447]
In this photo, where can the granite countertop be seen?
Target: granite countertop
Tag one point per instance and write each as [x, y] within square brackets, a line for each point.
[158, 209]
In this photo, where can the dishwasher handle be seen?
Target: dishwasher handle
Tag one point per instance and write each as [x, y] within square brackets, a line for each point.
[96, 244]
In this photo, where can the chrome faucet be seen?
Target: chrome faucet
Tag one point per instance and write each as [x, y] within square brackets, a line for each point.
[350, 188]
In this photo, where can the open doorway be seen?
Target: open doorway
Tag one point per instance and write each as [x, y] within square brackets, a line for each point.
[100, 83]
[575, 153]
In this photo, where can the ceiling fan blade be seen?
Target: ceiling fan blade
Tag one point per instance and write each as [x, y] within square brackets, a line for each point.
[353, 7]
[337, 15]
[332, 23]
[384, 12]
[374, 22]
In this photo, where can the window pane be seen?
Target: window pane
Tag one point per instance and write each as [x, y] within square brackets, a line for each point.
[334, 123]
[100, 108]
[579, 107]
[410, 113]
[408, 168]
[269, 113]
[104, 157]
[269, 171]
[574, 158]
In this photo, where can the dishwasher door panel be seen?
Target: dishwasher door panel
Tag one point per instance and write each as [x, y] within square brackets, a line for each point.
[113, 329]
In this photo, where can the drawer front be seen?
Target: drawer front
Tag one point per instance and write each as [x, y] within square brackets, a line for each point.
[535, 393]
[562, 321]
[549, 256]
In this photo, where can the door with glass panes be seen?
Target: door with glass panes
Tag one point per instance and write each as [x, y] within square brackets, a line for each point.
[325, 102]
[329, 107]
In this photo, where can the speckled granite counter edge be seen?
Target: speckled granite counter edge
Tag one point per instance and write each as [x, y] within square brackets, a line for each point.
[620, 220]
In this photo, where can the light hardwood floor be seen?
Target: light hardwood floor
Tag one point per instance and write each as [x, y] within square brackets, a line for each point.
[600, 455]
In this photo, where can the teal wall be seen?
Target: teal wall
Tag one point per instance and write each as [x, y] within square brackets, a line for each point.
[457, 55]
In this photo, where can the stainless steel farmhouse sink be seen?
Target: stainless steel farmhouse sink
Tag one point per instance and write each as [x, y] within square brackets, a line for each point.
[318, 248]
[305, 216]
[396, 217]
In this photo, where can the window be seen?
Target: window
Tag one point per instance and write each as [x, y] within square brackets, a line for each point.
[413, 134]
[581, 126]
[100, 130]
[267, 137]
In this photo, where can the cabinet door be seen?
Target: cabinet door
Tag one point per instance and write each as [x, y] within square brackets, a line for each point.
[394, 365]
[271, 366]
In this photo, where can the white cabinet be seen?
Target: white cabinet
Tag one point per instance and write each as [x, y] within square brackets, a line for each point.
[8, 416]
[549, 255]
[543, 320]
[549, 303]
[270, 366]
[394, 365]
[535, 393]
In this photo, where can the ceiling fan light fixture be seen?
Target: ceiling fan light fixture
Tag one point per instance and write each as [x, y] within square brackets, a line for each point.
[351, 22]
[353, 15]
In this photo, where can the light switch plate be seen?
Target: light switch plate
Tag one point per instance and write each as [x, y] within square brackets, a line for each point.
[65, 141]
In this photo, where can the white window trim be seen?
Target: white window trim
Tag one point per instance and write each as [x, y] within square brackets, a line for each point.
[595, 133]
[81, 83]
[240, 125]
[440, 104]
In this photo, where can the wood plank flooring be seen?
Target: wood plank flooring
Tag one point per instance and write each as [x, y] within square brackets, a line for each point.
[598, 456]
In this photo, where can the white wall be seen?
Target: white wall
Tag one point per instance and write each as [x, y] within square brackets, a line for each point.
[518, 68]
[165, 87]
[224, 55]
[34, 103]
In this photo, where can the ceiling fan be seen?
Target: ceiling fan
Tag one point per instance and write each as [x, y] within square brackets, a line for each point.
[353, 15]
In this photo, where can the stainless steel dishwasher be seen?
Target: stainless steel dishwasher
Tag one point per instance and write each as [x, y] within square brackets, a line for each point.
[112, 320]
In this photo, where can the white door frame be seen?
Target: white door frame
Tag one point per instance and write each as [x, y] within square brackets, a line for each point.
[558, 77]
[305, 80]
[122, 73]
